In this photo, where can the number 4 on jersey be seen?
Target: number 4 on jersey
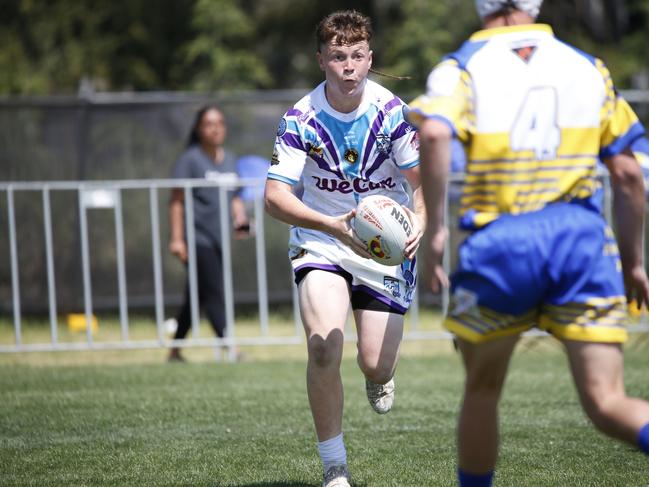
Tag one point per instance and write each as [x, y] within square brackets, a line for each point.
[535, 127]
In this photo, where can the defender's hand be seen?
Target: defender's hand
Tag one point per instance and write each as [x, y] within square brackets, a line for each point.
[636, 284]
[434, 254]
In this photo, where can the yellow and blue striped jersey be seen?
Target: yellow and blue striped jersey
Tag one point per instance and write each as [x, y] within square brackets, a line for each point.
[533, 134]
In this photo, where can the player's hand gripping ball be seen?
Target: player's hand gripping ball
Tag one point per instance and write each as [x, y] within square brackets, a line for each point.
[384, 226]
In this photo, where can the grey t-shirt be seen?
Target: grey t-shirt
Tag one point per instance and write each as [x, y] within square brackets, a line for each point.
[195, 163]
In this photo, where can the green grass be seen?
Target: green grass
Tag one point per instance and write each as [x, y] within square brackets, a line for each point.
[144, 422]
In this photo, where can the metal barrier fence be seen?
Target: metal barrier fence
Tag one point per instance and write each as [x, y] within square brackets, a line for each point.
[109, 195]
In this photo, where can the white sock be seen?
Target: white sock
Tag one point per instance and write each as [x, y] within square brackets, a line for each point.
[332, 451]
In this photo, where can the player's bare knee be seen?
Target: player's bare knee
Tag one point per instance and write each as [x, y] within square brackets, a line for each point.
[324, 353]
[484, 387]
[602, 409]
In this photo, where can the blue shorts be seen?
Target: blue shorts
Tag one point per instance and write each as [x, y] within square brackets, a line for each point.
[558, 268]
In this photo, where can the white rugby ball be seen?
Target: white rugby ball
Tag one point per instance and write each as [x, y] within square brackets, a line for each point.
[384, 226]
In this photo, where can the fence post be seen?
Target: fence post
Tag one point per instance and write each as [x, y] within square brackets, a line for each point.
[49, 255]
[121, 264]
[226, 250]
[85, 264]
[262, 280]
[15, 281]
[191, 259]
[157, 261]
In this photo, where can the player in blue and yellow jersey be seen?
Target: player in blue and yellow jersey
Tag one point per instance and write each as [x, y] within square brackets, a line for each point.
[535, 115]
[345, 140]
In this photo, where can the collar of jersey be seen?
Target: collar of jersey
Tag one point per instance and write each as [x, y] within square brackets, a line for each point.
[345, 117]
[483, 35]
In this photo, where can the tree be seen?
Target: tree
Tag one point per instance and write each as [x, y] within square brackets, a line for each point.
[51, 46]
[224, 53]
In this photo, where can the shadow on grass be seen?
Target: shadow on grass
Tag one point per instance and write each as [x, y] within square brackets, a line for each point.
[277, 484]
[288, 484]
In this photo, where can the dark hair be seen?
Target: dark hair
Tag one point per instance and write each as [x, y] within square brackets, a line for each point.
[345, 27]
[194, 136]
[507, 8]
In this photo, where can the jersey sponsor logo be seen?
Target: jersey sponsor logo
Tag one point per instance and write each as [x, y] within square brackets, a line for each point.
[351, 156]
[356, 185]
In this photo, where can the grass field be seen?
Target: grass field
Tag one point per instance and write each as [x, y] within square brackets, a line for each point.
[140, 421]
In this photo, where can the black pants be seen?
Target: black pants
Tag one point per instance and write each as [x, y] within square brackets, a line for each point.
[209, 267]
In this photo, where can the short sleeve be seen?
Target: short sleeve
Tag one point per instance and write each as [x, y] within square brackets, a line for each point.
[182, 166]
[447, 98]
[405, 140]
[620, 126]
[289, 151]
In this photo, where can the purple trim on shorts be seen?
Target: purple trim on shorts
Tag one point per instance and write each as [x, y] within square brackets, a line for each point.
[310, 266]
[322, 267]
[384, 299]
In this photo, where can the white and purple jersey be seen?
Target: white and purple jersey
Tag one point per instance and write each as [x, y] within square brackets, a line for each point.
[343, 157]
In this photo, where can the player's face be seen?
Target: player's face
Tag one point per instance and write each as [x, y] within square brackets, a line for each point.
[345, 67]
[212, 128]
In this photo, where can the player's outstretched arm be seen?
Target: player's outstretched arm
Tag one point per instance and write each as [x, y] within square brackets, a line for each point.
[282, 204]
[435, 160]
[629, 208]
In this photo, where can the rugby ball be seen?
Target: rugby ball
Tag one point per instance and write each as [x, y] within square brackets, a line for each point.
[383, 225]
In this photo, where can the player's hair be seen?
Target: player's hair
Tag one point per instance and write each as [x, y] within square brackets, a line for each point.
[194, 135]
[388, 75]
[347, 27]
[344, 27]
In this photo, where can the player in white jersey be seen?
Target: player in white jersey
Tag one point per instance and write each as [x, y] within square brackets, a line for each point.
[535, 114]
[345, 140]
